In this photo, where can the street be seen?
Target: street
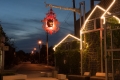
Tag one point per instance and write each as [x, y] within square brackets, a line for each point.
[32, 70]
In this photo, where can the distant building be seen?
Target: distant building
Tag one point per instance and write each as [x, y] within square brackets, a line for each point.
[1, 50]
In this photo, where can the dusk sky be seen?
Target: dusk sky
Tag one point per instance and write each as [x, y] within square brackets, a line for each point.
[21, 21]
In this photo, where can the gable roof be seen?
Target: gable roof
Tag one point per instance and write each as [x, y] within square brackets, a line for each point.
[69, 35]
[103, 15]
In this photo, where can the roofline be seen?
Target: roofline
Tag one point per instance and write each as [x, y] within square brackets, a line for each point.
[64, 39]
[102, 17]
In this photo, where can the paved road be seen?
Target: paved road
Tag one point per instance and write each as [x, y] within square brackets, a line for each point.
[27, 66]
[32, 70]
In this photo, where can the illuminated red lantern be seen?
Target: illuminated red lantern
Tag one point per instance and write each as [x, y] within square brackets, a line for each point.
[50, 23]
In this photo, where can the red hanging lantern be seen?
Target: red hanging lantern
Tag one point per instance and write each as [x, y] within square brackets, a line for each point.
[50, 23]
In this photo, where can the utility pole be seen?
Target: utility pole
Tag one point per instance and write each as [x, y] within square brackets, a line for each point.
[92, 3]
[74, 13]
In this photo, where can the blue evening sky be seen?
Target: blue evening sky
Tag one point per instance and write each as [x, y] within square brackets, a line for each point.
[21, 21]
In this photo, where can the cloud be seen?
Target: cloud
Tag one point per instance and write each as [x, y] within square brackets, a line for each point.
[27, 34]
[27, 44]
[11, 26]
[32, 20]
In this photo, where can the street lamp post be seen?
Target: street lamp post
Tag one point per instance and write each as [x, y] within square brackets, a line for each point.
[32, 52]
[35, 50]
[39, 42]
[47, 47]
[50, 25]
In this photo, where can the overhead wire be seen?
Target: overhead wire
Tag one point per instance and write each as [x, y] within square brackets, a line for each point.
[66, 18]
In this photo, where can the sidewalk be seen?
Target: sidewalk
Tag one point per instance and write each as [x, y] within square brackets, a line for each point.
[42, 78]
[13, 69]
[16, 67]
[36, 76]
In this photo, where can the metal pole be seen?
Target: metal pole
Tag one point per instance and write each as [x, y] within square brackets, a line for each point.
[80, 15]
[101, 51]
[39, 53]
[80, 42]
[105, 52]
[81, 54]
[101, 46]
[47, 47]
[112, 55]
[80, 4]
[84, 11]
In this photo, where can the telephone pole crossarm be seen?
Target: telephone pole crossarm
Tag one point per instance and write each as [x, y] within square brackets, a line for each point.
[64, 8]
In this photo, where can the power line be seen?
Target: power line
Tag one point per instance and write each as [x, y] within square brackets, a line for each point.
[67, 16]
[66, 29]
